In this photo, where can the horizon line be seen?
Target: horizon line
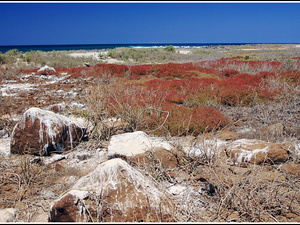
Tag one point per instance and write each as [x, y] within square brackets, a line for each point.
[153, 43]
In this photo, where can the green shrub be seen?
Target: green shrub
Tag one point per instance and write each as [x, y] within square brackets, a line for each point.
[170, 48]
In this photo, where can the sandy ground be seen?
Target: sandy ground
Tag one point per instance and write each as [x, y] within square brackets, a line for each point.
[258, 49]
[95, 56]
[184, 51]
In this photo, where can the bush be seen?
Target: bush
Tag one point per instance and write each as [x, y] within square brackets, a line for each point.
[169, 48]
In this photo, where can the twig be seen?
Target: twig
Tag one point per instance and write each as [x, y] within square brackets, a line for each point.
[151, 108]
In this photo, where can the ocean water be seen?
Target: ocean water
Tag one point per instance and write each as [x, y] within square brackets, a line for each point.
[27, 48]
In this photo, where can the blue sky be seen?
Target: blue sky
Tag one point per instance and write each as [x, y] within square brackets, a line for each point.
[47, 23]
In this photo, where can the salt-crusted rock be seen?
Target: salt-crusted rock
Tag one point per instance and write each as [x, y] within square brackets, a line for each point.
[8, 215]
[46, 69]
[123, 194]
[130, 144]
[177, 189]
[53, 158]
[69, 208]
[136, 146]
[256, 151]
[203, 147]
[41, 132]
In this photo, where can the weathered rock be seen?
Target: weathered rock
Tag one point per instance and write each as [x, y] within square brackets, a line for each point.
[273, 176]
[275, 129]
[41, 218]
[179, 176]
[177, 189]
[130, 144]
[53, 158]
[166, 159]
[8, 215]
[234, 216]
[69, 208]
[203, 146]
[125, 196]
[139, 148]
[46, 70]
[41, 132]
[257, 152]
[226, 135]
[291, 168]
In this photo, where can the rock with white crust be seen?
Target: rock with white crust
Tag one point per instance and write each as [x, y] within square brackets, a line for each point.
[257, 152]
[46, 69]
[116, 193]
[40, 132]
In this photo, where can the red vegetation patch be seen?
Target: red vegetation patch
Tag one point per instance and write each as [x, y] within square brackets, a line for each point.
[22, 71]
[229, 73]
[229, 63]
[193, 121]
[243, 90]
[175, 70]
[117, 70]
[291, 76]
[141, 70]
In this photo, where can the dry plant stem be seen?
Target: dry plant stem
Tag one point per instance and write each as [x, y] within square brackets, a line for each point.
[151, 108]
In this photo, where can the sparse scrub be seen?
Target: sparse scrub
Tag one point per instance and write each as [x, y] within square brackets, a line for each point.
[254, 198]
[186, 97]
[131, 107]
[133, 56]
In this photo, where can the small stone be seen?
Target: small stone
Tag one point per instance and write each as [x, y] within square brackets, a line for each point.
[8, 215]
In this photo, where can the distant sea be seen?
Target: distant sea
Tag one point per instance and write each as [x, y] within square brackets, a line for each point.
[27, 48]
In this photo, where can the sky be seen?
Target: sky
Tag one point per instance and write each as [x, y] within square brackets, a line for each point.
[97, 22]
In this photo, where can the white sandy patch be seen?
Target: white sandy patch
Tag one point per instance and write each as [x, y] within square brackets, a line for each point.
[15, 87]
[259, 49]
[95, 55]
[250, 49]
[110, 60]
[297, 46]
[184, 52]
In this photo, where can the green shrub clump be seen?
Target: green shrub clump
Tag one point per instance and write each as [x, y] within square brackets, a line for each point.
[170, 48]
